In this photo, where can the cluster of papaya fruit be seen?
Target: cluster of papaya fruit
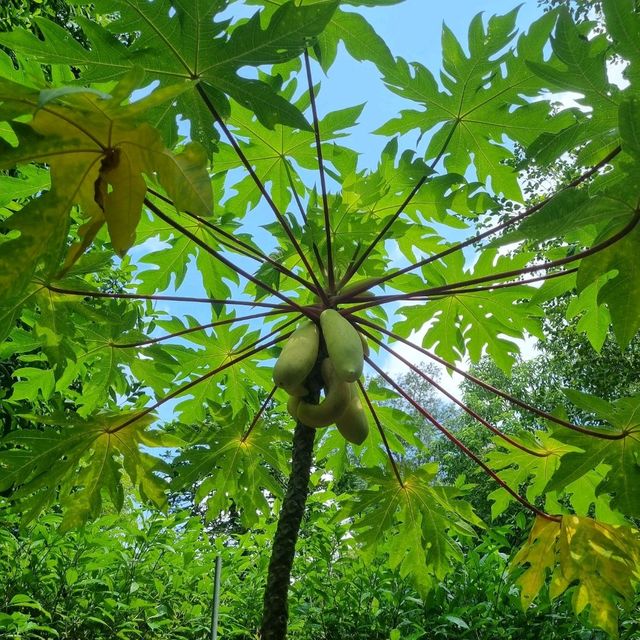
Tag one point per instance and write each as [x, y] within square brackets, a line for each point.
[346, 349]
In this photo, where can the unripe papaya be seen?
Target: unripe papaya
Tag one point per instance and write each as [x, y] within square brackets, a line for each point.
[336, 400]
[362, 286]
[365, 345]
[343, 345]
[298, 390]
[353, 424]
[298, 356]
[292, 406]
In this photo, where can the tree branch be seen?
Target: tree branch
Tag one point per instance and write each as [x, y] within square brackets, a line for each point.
[486, 386]
[323, 183]
[460, 445]
[383, 435]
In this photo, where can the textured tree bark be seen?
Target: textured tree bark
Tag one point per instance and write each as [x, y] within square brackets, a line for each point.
[276, 611]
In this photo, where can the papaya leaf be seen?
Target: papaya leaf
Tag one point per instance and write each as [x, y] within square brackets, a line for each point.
[480, 89]
[579, 65]
[569, 211]
[622, 455]
[473, 322]
[274, 151]
[597, 561]
[621, 290]
[415, 523]
[230, 470]
[33, 239]
[520, 469]
[74, 460]
[99, 157]
[186, 39]
[623, 24]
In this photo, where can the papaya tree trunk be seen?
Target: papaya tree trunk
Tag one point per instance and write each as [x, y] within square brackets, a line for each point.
[276, 611]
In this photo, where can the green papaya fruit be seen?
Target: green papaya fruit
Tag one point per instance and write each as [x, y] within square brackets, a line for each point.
[353, 423]
[336, 399]
[362, 286]
[343, 345]
[298, 356]
[365, 345]
[298, 390]
[292, 406]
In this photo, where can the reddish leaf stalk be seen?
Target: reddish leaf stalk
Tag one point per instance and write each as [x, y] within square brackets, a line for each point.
[242, 248]
[452, 289]
[255, 254]
[485, 234]
[503, 285]
[453, 399]
[271, 333]
[258, 415]
[502, 394]
[298, 201]
[628, 228]
[184, 332]
[239, 246]
[218, 256]
[162, 298]
[265, 194]
[323, 183]
[383, 232]
[252, 350]
[401, 297]
[383, 435]
[460, 445]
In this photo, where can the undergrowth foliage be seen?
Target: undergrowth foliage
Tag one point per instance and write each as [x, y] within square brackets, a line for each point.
[262, 217]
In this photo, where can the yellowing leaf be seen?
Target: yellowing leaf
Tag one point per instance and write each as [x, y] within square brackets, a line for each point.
[99, 155]
[599, 561]
[539, 554]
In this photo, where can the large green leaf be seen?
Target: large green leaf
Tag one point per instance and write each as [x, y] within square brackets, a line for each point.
[620, 291]
[580, 66]
[414, 523]
[472, 322]
[185, 40]
[227, 467]
[621, 454]
[75, 460]
[481, 101]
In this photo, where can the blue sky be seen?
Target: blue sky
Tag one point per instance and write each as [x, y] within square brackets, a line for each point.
[412, 31]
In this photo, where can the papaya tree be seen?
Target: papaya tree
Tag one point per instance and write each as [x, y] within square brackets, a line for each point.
[186, 143]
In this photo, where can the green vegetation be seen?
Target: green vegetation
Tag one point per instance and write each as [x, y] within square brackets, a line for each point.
[175, 199]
